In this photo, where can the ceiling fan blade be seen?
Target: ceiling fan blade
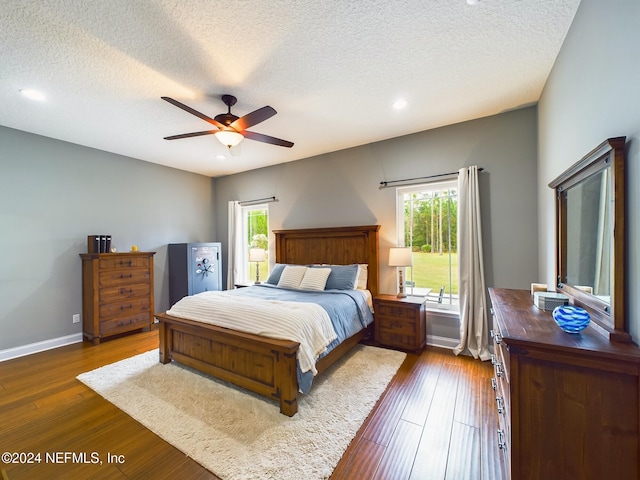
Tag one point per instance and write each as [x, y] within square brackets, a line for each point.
[267, 139]
[186, 108]
[253, 118]
[194, 134]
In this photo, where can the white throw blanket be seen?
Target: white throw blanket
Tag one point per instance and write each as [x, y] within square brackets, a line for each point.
[305, 323]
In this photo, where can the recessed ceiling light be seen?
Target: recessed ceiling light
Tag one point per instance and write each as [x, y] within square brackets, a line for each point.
[400, 104]
[32, 94]
[220, 157]
[473, 2]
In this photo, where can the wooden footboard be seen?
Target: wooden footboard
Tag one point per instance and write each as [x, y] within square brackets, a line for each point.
[262, 365]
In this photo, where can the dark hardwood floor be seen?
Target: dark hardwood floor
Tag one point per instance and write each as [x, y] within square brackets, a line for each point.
[435, 421]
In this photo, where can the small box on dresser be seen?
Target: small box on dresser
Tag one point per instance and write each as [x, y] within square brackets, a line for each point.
[568, 404]
[117, 293]
[400, 322]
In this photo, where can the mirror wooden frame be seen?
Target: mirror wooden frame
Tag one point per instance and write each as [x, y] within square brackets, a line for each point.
[608, 318]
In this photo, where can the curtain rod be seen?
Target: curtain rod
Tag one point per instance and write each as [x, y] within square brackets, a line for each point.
[258, 200]
[386, 184]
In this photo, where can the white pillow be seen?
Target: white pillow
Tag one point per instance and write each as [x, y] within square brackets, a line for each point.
[292, 276]
[315, 279]
[361, 278]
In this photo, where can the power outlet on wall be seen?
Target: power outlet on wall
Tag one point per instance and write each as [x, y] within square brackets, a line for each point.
[76, 318]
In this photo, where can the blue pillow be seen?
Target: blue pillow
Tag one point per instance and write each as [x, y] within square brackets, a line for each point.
[342, 277]
[276, 273]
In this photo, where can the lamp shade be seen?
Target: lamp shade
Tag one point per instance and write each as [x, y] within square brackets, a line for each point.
[230, 138]
[257, 254]
[400, 257]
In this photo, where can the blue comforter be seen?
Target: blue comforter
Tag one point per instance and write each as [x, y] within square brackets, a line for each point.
[347, 309]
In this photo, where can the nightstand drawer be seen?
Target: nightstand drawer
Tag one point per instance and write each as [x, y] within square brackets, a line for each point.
[396, 340]
[396, 311]
[396, 325]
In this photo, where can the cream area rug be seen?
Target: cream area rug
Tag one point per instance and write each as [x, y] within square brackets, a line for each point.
[238, 435]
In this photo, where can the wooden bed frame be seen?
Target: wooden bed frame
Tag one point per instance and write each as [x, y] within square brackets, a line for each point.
[264, 365]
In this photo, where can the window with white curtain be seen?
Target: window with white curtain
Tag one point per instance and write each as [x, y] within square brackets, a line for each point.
[255, 234]
[427, 222]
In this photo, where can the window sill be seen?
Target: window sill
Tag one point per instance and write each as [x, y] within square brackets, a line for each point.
[447, 310]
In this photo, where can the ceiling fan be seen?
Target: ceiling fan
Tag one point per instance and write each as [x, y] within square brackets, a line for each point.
[231, 129]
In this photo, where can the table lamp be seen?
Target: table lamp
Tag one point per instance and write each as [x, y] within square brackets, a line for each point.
[257, 255]
[400, 257]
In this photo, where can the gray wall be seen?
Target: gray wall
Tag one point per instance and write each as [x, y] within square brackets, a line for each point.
[593, 94]
[52, 195]
[341, 188]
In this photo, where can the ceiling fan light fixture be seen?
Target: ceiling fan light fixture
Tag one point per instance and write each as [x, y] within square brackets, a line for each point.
[230, 138]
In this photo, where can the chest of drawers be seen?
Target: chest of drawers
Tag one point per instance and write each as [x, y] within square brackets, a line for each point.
[400, 322]
[117, 293]
[568, 404]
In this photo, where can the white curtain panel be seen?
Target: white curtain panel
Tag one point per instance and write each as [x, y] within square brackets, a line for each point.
[472, 294]
[234, 263]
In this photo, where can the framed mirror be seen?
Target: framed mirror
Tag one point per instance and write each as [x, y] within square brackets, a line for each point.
[590, 236]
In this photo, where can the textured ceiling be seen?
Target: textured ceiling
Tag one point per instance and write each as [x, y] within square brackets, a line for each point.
[330, 68]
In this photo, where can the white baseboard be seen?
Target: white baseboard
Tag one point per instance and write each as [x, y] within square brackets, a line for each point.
[23, 350]
[442, 342]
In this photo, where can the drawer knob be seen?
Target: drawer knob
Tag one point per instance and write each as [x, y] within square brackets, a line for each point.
[498, 367]
[496, 337]
[125, 307]
[501, 441]
[500, 405]
[494, 383]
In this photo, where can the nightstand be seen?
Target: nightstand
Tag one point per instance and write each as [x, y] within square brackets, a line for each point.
[400, 322]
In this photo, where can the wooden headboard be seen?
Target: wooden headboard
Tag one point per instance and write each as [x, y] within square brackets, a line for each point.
[335, 245]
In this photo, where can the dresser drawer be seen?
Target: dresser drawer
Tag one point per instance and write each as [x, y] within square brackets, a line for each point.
[124, 324]
[129, 307]
[500, 349]
[111, 278]
[124, 262]
[503, 408]
[124, 292]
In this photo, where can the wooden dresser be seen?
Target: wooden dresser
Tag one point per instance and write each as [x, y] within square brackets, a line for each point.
[568, 404]
[117, 293]
[400, 322]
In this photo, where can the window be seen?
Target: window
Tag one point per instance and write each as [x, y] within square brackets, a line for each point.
[427, 220]
[255, 232]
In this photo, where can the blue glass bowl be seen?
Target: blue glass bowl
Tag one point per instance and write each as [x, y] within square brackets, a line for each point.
[571, 319]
